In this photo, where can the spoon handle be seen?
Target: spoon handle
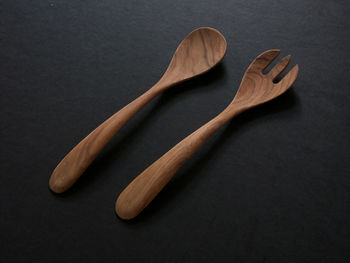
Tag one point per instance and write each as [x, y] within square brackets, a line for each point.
[83, 154]
[144, 188]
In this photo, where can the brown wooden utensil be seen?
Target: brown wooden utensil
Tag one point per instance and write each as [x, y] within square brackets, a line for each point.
[200, 51]
[256, 88]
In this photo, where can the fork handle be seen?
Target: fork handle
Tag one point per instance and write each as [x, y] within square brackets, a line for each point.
[83, 154]
[144, 188]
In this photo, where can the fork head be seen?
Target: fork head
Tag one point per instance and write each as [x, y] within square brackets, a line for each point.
[257, 88]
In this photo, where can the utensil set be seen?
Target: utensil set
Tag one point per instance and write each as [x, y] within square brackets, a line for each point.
[200, 51]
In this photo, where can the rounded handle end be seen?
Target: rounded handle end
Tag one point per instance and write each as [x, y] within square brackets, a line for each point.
[57, 183]
[125, 210]
[64, 176]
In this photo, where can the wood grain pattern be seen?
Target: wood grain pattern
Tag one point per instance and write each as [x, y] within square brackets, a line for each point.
[200, 51]
[256, 88]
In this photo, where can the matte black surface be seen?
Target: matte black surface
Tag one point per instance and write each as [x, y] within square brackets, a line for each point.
[271, 186]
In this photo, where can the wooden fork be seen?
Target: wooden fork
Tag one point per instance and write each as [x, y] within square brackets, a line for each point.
[256, 88]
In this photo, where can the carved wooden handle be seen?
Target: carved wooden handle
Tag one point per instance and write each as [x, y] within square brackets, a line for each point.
[82, 155]
[144, 188]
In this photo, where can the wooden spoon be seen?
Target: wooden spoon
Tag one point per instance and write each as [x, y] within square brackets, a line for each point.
[256, 88]
[200, 51]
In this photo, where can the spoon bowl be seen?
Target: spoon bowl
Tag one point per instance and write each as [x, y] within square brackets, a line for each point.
[200, 51]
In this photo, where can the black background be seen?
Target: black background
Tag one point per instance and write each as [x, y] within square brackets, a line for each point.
[271, 186]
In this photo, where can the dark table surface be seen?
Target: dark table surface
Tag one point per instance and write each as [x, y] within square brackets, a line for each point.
[271, 186]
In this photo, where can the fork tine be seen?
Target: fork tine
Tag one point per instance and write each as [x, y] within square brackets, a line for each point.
[278, 68]
[287, 80]
[264, 59]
